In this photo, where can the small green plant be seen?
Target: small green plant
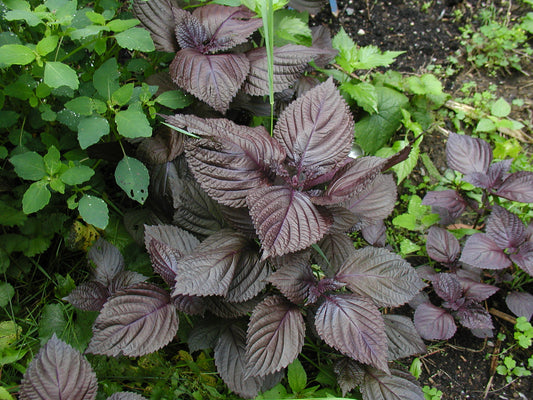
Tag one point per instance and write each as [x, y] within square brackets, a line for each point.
[431, 393]
[510, 367]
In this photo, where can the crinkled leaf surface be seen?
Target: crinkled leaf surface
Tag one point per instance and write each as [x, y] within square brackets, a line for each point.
[380, 275]
[89, 296]
[447, 287]
[136, 321]
[164, 260]
[190, 32]
[108, 260]
[524, 257]
[354, 326]
[481, 251]
[518, 187]
[474, 316]
[505, 228]
[275, 336]
[224, 309]
[285, 220]
[316, 130]
[467, 154]
[397, 385]
[126, 396]
[442, 246]
[192, 305]
[213, 78]
[520, 303]
[434, 323]
[447, 203]
[294, 280]
[210, 269]
[156, 16]
[349, 374]
[172, 236]
[476, 290]
[58, 372]
[249, 278]
[404, 340]
[337, 248]
[206, 331]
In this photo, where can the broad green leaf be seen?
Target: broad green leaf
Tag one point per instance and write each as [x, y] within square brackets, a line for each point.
[3, 152]
[296, 376]
[120, 25]
[94, 211]
[87, 31]
[485, 125]
[47, 44]
[425, 84]
[135, 39]
[95, 18]
[91, 129]
[374, 131]
[407, 246]
[132, 176]
[122, 95]
[36, 197]
[174, 99]
[17, 5]
[31, 18]
[500, 108]
[133, 123]
[347, 50]
[57, 74]
[4, 394]
[105, 78]
[52, 161]
[4, 260]
[29, 165]
[52, 321]
[406, 221]
[57, 184]
[10, 216]
[364, 94]
[82, 105]
[8, 119]
[77, 175]
[291, 26]
[9, 333]
[416, 207]
[6, 293]
[16, 54]
[369, 57]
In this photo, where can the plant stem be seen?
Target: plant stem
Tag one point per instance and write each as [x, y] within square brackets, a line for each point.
[267, 13]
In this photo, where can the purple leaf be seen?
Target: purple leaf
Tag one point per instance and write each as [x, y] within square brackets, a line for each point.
[498, 172]
[156, 16]
[476, 290]
[190, 32]
[322, 39]
[397, 385]
[227, 27]
[213, 78]
[275, 336]
[447, 287]
[285, 220]
[230, 359]
[375, 233]
[164, 260]
[135, 321]
[355, 327]
[250, 276]
[172, 236]
[482, 251]
[529, 231]
[434, 323]
[349, 373]
[164, 147]
[107, 259]
[442, 246]
[205, 333]
[520, 304]
[505, 228]
[311, 6]
[192, 305]
[524, 257]
[126, 396]
[210, 269]
[426, 272]
[343, 219]
[375, 202]
[466, 154]
[58, 372]
[404, 340]
[290, 61]
[474, 316]
[380, 275]
[125, 279]
[232, 160]
[351, 180]
[337, 248]
[447, 203]
[239, 219]
[517, 187]
[88, 296]
[224, 309]
[294, 280]
[316, 130]
[478, 179]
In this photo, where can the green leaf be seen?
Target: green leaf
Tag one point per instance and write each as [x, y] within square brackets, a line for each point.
[122, 95]
[29, 165]
[425, 84]
[408, 247]
[36, 197]
[91, 129]
[3, 152]
[94, 211]
[10, 216]
[485, 125]
[52, 161]
[95, 18]
[57, 185]
[416, 207]
[77, 175]
[374, 131]
[105, 78]
[120, 25]
[47, 45]
[9, 333]
[347, 50]
[15, 54]
[57, 74]
[135, 39]
[174, 99]
[52, 321]
[370, 57]
[500, 108]
[4, 261]
[6, 293]
[291, 26]
[364, 94]
[133, 123]
[31, 18]
[8, 119]
[132, 176]
[4, 394]
[406, 221]
[296, 376]
[82, 105]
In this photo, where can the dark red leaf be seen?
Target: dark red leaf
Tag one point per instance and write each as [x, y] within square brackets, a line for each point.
[517, 187]
[189, 30]
[447, 287]
[404, 340]
[397, 385]
[192, 305]
[476, 290]
[434, 323]
[524, 257]
[156, 16]
[224, 309]
[88, 296]
[294, 280]
[126, 396]
[172, 236]
[520, 304]
[442, 246]
[375, 233]
[447, 203]
[482, 251]
[249, 278]
[505, 228]
[467, 154]
[107, 259]
[474, 316]
[337, 248]
[349, 373]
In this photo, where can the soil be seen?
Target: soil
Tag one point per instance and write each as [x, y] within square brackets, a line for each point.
[461, 368]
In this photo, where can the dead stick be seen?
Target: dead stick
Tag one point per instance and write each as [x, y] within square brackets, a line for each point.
[502, 315]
